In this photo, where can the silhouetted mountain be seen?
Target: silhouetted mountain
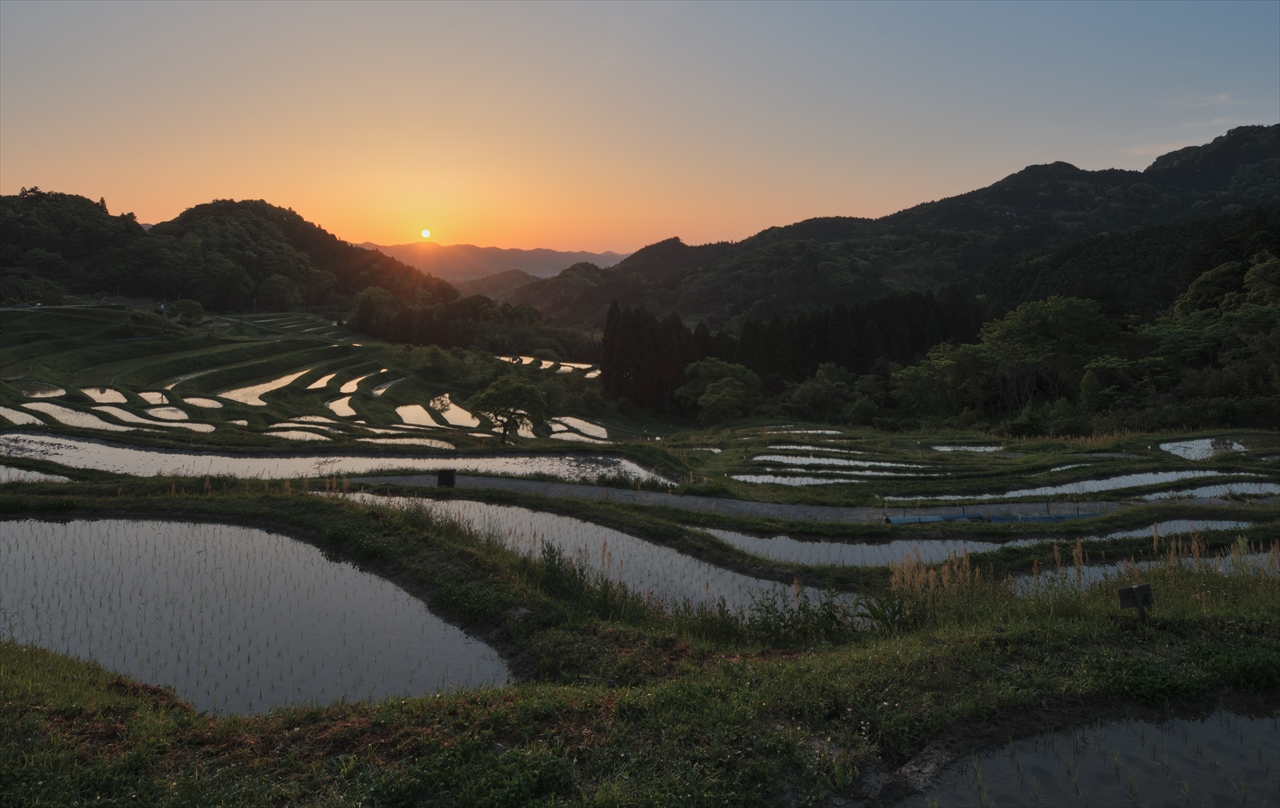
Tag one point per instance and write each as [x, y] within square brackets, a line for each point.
[819, 262]
[499, 286]
[226, 255]
[463, 262]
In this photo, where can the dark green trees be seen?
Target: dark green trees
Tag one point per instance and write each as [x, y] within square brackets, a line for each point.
[510, 402]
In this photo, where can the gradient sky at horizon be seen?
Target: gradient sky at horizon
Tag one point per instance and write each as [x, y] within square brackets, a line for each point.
[606, 126]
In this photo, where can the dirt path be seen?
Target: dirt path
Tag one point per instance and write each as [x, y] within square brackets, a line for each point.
[738, 507]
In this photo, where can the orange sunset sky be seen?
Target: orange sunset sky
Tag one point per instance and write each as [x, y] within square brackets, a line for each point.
[605, 126]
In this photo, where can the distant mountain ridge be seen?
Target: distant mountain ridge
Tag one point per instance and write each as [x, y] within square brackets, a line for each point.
[819, 262]
[464, 262]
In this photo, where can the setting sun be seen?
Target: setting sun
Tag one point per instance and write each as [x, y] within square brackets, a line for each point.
[426, 234]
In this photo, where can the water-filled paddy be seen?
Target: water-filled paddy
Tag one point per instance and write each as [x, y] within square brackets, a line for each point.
[1244, 489]
[979, 449]
[18, 417]
[104, 395]
[352, 385]
[585, 427]
[1224, 759]
[295, 434]
[167, 413]
[642, 566]
[121, 414]
[75, 418]
[451, 412]
[808, 448]
[341, 406]
[8, 474]
[809, 460]
[146, 462]
[37, 389]
[929, 551]
[252, 395]
[235, 619]
[1078, 487]
[1202, 448]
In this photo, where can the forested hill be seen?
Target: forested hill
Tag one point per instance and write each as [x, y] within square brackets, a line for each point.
[226, 255]
[819, 262]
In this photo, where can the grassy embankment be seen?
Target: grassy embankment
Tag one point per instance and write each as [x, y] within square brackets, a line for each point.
[622, 703]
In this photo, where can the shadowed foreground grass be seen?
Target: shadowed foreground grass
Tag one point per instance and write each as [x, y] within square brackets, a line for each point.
[621, 703]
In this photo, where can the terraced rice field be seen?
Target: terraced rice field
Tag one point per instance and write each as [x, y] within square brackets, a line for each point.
[250, 382]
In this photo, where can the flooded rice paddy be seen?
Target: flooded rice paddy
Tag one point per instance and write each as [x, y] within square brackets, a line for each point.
[8, 474]
[236, 620]
[37, 389]
[644, 567]
[341, 407]
[154, 397]
[1203, 448]
[1223, 759]
[807, 448]
[416, 415]
[1242, 489]
[206, 403]
[145, 462]
[979, 449]
[455, 415]
[18, 417]
[105, 395]
[124, 415]
[929, 551]
[252, 395]
[321, 382]
[75, 418]
[585, 427]
[167, 413]
[1079, 487]
[809, 460]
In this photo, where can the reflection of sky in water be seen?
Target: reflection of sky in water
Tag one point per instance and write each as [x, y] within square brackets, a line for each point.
[252, 395]
[1078, 487]
[880, 554]
[1225, 759]
[1202, 448]
[140, 461]
[643, 566]
[235, 619]
[1226, 489]
[966, 448]
[37, 389]
[799, 460]
[8, 474]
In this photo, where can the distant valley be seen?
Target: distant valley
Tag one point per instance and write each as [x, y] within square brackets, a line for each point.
[457, 263]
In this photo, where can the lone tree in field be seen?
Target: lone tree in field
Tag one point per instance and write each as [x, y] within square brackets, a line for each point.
[510, 402]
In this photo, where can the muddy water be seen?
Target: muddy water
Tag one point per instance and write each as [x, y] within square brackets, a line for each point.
[145, 462]
[236, 620]
[1224, 759]
[642, 566]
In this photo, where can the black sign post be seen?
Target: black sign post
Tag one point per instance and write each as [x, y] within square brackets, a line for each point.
[1136, 597]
